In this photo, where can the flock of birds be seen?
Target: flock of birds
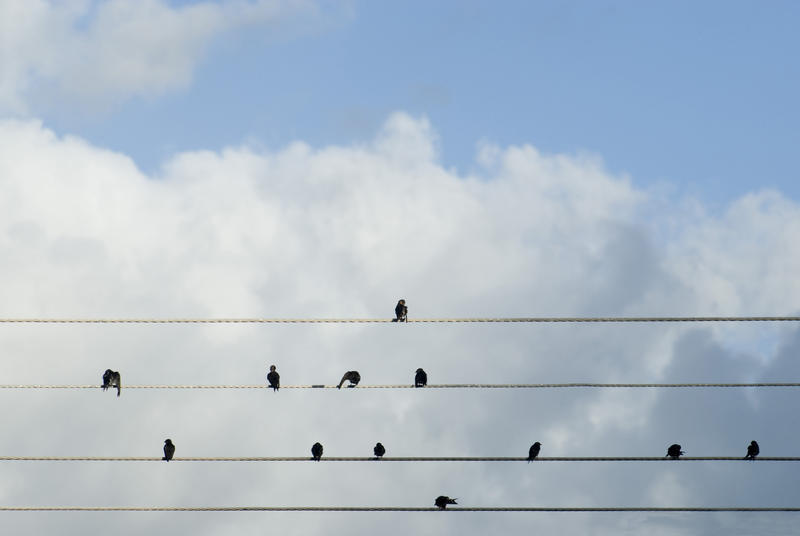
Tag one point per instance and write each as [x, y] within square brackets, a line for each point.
[113, 379]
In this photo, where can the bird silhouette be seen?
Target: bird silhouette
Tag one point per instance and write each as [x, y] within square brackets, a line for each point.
[274, 378]
[674, 451]
[379, 450]
[169, 450]
[111, 379]
[316, 451]
[534, 451]
[752, 451]
[421, 378]
[443, 500]
[352, 376]
[400, 311]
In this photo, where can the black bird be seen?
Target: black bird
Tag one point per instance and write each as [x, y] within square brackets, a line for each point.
[352, 376]
[674, 451]
[421, 378]
[400, 312]
[169, 450]
[111, 379]
[443, 500]
[379, 450]
[752, 451]
[534, 451]
[274, 378]
[316, 451]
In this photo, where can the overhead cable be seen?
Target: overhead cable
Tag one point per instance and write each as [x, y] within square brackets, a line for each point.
[429, 386]
[391, 459]
[392, 509]
[587, 319]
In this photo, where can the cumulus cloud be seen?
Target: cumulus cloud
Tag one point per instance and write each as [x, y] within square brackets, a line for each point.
[346, 231]
[113, 49]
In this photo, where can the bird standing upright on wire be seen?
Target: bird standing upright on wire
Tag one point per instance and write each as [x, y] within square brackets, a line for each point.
[752, 451]
[379, 451]
[534, 451]
[421, 378]
[400, 312]
[169, 450]
[316, 451]
[274, 378]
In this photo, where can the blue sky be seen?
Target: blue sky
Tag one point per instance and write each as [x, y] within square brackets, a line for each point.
[699, 95]
[294, 158]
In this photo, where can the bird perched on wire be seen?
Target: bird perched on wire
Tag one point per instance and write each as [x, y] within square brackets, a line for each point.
[443, 500]
[420, 378]
[352, 376]
[674, 451]
[400, 312]
[534, 451]
[752, 451]
[169, 450]
[274, 378]
[316, 451]
[379, 451]
[111, 379]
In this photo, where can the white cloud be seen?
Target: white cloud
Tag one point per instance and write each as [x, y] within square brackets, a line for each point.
[345, 231]
[110, 50]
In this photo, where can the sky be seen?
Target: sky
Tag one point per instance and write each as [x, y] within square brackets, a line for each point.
[279, 158]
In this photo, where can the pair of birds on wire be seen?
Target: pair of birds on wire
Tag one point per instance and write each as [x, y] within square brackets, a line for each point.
[352, 376]
[111, 378]
[317, 449]
[674, 451]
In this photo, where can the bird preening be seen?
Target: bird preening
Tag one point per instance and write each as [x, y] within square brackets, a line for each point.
[674, 451]
[169, 450]
[111, 379]
[534, 451]
[316, 451]
[443, 500]
[379, 451]
[400, 312]
[752, 451]
[274, 378]
[421, 378]
[352, 376]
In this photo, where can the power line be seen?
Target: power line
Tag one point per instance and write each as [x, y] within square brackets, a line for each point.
[391, 459]
[430, 386]
[389, 509]
[609, 319]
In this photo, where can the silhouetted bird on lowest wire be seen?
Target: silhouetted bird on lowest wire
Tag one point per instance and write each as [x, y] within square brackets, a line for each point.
[401, 312]
[316, 451]
[534, 451]
[379, 450]
[352, 376]
[752, 451]
[111, 379]
[674, 451]
[443, 500]
[169, 450]
[274, 378]
[421, 378]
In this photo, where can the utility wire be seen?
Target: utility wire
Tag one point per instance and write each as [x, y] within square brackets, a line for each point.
[388, 509]
[591, 319]
[391, 459]
[429, 386]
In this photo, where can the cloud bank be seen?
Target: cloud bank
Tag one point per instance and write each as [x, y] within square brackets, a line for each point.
[102, 52]
[345, 231]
